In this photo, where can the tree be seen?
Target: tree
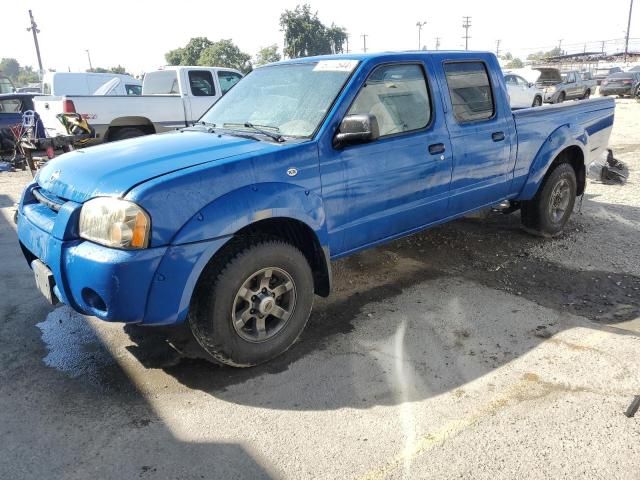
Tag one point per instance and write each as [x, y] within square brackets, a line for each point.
[224, 53]
[268, 55]
[306, 35]
[515, 63]
[190, 53]
[507, 56]
[554, 52]
[10, 67]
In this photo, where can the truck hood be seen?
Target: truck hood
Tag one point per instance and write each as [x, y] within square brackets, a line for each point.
[113, 169]
[548, 76]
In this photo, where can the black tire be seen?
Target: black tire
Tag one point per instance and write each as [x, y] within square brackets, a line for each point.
[127, 132]
[561, 97]
[547, 213]
[537, 101]
[587, 94]
[219, 300]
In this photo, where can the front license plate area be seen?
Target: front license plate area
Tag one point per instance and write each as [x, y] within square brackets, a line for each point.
[44, 281]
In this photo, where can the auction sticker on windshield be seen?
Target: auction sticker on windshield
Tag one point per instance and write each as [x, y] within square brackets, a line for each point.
[335, 66]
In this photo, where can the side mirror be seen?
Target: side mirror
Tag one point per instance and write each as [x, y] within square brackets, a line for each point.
[360, 128]
[531, 84]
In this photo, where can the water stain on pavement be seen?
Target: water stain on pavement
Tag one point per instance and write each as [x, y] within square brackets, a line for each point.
[73, 347]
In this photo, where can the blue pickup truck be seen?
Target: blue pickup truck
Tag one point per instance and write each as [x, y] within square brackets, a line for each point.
[231, 224]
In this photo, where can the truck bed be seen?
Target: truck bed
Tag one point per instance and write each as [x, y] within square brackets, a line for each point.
[590, 121]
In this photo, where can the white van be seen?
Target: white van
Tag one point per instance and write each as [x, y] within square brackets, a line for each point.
[86, 83]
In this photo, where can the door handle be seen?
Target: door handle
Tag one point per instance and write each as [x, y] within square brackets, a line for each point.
[436, 148]
[497, 136]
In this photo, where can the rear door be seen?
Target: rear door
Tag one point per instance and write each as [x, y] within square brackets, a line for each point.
[480, 135]
[398, 182]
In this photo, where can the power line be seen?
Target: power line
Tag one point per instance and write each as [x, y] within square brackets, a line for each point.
[466, 24]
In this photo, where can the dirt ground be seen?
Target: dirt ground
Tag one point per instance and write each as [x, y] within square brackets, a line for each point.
[471, 350]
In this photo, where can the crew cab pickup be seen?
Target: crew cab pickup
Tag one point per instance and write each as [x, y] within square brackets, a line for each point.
[571, 85]
[231, 224]
[171, 98]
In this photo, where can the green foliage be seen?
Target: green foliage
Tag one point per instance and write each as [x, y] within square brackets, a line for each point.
[189, 54]
[515, 63]
[119, 69]
[224, 53]
[554, 52]
[20, 76]
[268, 55]
[305, 35]
[202, 51]
[507, 56]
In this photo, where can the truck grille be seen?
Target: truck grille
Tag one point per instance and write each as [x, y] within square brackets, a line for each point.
[47, 199]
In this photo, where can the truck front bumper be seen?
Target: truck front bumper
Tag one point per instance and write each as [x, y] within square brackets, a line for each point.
[149, 286]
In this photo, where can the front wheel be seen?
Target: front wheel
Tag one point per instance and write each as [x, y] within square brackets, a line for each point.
[561, 97]
[251, 305]
[548, 212]
[537, 101]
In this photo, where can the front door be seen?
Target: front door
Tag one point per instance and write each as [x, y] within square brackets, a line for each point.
[398, 182]
[480, 136]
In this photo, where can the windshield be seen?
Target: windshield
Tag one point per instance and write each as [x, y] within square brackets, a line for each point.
[290, 99]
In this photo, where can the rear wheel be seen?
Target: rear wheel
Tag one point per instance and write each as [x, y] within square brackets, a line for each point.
[548, 212]
[252, 305]
[127, 132]
[537, 101]
[587, 94]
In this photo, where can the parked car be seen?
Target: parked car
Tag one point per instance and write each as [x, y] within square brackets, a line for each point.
[621, 84]
[84, 83]
[558, 87]
[172, 97]
[231, 224]
[522, 94]
[601, 73]
[6, 85]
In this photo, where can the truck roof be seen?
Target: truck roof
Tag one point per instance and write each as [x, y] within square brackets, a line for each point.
[450, 54]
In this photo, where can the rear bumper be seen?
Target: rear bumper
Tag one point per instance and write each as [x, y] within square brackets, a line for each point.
[151, 286]
[616, 90]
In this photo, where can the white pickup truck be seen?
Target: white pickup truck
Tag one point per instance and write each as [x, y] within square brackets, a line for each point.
[171, 97]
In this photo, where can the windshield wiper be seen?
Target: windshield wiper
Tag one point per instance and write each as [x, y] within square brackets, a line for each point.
[260, 129]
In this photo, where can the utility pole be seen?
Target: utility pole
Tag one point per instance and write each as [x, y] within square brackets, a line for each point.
[603, 46]
[89, 57]
[560, 46]
[437, 43]
[364, 41]
[498, 48]
[466, 24]
[420, 25]
[347, 39]
[626, 40]
[34, 29]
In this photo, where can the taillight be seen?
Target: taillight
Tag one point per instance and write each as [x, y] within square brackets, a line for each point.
[68, 106]
[626, 81]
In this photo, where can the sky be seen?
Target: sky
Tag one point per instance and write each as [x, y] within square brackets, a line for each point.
[137, 33]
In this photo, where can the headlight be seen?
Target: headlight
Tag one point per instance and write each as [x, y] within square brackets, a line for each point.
[551, 89]
[115, 223]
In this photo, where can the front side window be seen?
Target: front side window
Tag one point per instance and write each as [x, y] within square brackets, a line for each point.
[201, 83]
[469, 90]
[511, 80]
[290, 99]
[397, 96]
[227, 80]
[133, 89]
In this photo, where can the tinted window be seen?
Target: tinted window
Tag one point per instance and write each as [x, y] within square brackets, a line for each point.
[161, 83]
[201, 83]
[470, 90]
[228, 80]
[511, 80]
[10, 106]
[133, 89]
[397, 96]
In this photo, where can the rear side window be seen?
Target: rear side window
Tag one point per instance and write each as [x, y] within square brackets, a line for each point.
[227, 80]
[13, 105]
[133, 89]
[201, 83]
[397, 96]
[470, 90]
[161, 83]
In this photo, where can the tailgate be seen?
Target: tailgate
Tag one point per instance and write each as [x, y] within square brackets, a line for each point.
[48, 108]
